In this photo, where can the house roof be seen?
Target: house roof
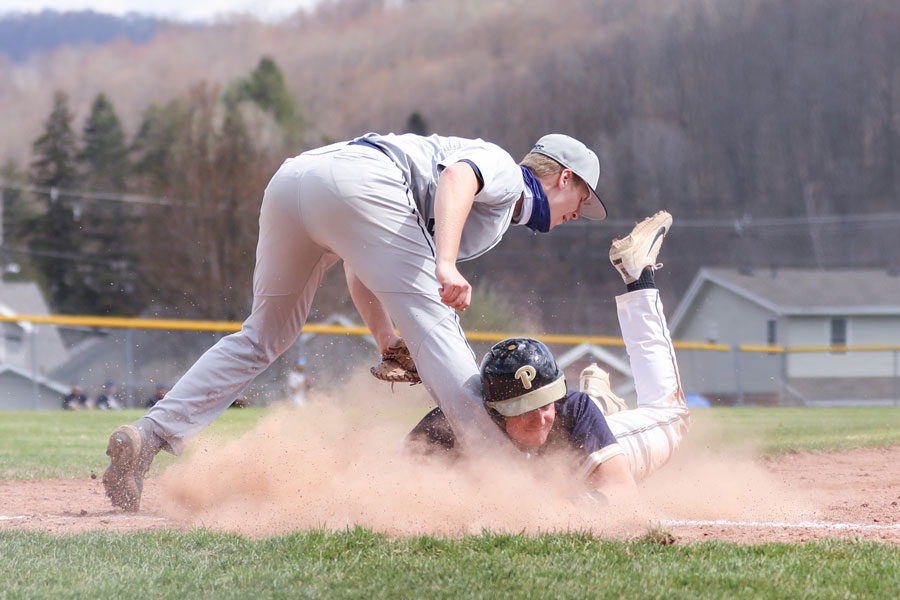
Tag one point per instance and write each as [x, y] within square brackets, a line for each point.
[594, 352]
[798, 292]
[25, 298]
[22, 298]
[41, 380]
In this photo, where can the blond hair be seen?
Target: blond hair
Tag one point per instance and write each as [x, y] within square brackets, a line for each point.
[541, 164]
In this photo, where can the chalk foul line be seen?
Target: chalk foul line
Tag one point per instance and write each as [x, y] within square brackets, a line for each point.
[769, 525]
[664, 523]
[104, 517]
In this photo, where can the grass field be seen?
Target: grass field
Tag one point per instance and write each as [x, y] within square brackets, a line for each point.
[360, 564]
[357, 563]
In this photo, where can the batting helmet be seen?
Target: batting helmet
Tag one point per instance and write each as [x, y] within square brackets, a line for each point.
[519, 375]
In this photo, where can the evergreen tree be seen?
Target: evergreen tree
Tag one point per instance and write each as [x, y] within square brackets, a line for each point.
[266, 88]
[103, 155]
[156, 147]
[54, 237]
[54, 150]
[107, 226]
[416, 123]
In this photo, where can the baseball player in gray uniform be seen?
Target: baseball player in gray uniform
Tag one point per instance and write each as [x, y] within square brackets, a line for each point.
[400, 210]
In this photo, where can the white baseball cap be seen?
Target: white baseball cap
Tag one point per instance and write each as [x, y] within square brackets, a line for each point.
[582, 161]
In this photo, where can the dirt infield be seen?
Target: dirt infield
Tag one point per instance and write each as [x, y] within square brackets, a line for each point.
[801, 497]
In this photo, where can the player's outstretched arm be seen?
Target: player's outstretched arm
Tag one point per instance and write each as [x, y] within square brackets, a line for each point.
[396, 363]
[453, 200]
[372, 311]
[613, 477]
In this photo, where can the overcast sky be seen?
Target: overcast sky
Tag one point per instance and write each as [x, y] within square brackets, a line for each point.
[185, 10]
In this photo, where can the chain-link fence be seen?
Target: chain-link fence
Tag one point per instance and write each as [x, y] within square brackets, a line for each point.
[42, 358]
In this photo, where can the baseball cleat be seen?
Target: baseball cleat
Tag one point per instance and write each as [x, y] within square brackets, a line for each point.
[131, 451]
[594, 382]
[637, 251]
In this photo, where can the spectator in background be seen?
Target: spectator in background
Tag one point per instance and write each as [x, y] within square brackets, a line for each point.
[107, 399]
[76, 400]
[298, 383]
[160, 393]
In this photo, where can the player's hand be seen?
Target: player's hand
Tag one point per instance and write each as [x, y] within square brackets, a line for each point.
[455, 291]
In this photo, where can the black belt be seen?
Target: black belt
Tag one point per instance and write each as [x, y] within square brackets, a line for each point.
[370, 145]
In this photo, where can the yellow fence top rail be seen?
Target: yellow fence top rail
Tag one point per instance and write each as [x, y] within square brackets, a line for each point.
[774, 349]
[483, 336]
[842, 349]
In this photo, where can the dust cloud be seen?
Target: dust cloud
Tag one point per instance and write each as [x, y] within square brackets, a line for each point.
[713, 477]
[340, 461]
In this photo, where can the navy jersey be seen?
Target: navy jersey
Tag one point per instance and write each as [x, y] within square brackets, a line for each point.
[580, 426]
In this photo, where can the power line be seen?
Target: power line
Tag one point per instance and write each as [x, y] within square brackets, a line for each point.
[54, 193]
[65, 256]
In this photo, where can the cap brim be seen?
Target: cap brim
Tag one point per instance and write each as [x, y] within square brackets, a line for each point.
[594, 209]
[519, 405]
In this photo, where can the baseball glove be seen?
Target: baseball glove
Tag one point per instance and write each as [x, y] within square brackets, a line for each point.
[397, 366]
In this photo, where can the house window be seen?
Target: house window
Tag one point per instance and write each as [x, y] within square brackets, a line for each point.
[771, 332]
[838, 331]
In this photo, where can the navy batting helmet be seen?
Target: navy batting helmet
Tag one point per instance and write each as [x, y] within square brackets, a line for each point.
[519, 375]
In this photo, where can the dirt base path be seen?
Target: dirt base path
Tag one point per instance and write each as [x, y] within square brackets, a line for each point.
[855, 494]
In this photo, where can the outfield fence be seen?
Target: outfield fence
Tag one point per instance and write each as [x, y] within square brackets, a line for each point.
[33, 350]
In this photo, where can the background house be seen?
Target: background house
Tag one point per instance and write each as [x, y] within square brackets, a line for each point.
[29, 352]
[38, 347]
[813, 314]
[614, 361]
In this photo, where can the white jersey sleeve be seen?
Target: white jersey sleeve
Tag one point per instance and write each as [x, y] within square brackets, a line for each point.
[500, 177]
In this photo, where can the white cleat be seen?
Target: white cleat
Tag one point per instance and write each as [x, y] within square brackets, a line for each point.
[634, 253]
[594, 382]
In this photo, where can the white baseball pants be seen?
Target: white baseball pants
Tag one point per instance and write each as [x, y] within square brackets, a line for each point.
[650, 433]
[341, 201]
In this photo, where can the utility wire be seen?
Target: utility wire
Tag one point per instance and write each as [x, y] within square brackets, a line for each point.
[54, 193]
[82, 258]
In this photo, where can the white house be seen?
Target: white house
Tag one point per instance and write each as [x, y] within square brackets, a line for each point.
[813, 314]
[28, 351]
[20, 390]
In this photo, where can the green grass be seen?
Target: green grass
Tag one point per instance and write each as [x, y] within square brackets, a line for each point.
[357, 563]
[44, 444]
[777, 431]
